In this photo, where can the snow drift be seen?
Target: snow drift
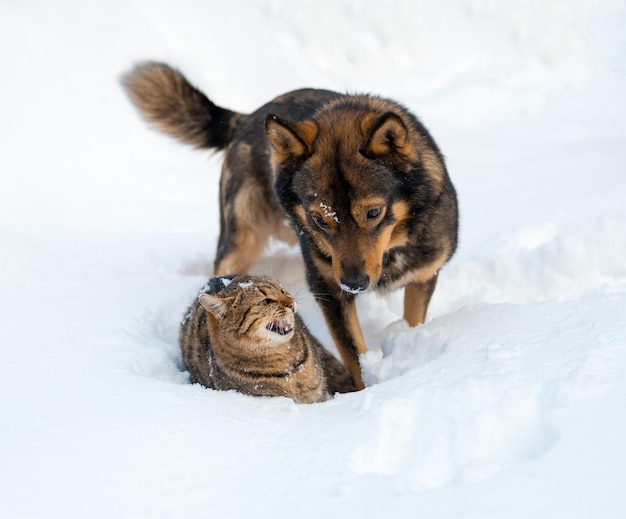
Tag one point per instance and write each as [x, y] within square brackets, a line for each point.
[507, 402]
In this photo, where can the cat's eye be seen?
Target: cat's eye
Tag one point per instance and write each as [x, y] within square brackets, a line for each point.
[267, 301]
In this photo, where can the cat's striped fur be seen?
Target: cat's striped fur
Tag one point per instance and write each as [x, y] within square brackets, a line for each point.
[243, 333]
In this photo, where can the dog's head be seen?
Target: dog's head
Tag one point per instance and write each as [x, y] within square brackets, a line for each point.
[353, 178]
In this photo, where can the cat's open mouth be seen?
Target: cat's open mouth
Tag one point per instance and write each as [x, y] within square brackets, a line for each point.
[281, 327]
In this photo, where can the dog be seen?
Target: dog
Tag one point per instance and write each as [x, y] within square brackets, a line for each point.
[356, 179]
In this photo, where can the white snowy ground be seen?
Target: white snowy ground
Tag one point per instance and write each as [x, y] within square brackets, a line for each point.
[510, 402]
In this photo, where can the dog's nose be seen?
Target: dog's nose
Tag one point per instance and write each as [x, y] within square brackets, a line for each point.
[354, 284]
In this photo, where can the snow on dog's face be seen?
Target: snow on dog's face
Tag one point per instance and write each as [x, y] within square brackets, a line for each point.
[254, 308]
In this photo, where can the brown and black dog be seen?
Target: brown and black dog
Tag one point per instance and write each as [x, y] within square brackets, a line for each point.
[357, 177]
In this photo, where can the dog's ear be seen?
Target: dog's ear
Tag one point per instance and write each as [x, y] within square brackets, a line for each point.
[388, 134]
[290, 140]
[214, 304]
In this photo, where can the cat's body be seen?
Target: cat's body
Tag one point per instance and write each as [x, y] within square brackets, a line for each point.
[243, 333]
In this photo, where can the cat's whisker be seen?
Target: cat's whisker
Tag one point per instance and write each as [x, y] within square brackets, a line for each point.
[323, 297]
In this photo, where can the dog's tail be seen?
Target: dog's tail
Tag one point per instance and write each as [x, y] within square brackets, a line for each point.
[173, 105]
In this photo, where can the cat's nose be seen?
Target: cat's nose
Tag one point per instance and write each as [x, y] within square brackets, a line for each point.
[290, 303]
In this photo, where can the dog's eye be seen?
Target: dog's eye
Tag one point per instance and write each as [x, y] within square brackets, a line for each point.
[319, 221]
[373, 213]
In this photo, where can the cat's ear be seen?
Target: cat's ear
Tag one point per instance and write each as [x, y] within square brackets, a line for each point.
[214, 304]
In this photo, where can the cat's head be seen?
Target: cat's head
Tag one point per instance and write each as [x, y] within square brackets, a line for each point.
[254, 307]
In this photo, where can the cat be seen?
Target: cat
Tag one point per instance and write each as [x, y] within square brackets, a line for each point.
[242, 332]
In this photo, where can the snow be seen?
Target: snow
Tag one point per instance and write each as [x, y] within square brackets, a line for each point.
[328, 212]
[509, 400]
[351, 290]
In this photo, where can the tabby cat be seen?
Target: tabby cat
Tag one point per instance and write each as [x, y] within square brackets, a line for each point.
[243, 333]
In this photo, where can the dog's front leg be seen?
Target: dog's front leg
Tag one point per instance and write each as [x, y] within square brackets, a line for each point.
[340, 312]
[416, 298]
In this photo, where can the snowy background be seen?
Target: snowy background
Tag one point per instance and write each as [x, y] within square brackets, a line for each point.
[510, 402]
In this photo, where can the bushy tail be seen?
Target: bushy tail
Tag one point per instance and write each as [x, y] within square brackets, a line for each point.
[173, 105]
